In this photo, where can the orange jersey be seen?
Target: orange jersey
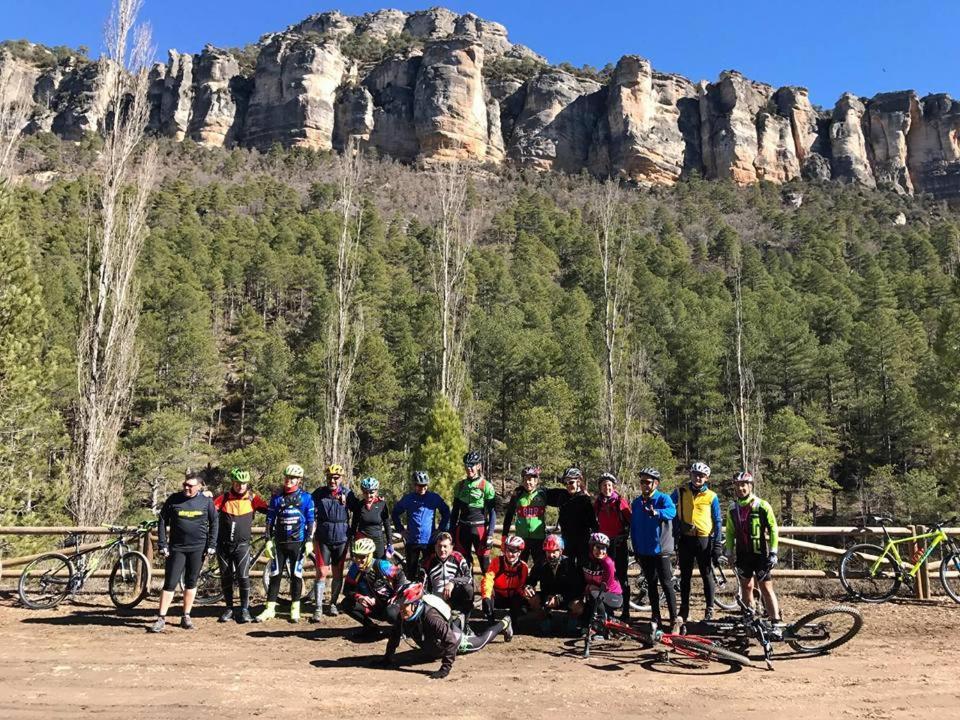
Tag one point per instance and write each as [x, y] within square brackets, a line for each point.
[504, 580]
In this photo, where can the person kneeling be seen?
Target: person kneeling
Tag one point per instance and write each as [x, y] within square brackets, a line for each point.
[502, 586]
[370, 584]
[553, 585]
[432, 625]
[601, 586]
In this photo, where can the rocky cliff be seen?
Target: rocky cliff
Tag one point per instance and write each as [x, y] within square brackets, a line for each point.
[433, 86]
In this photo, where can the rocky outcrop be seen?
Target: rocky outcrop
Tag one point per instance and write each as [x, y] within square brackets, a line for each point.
[652, 132]
[848, 146]
[555, 127]
[219, 100]
[176, 96]
[295, 85]
[449, 110]
[353, 118]
[430, 24]
[888, 120]
[809, 129]
[933, 147]
[83, 100]
[391, 85]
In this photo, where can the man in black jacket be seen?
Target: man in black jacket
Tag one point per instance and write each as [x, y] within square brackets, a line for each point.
[193, 535]
[449, 576]
[577, 518]
[553, 584]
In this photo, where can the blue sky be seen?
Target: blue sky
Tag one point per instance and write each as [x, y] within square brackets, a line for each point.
[829, 47]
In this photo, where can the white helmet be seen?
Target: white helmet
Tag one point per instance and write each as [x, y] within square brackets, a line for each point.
[701, 468]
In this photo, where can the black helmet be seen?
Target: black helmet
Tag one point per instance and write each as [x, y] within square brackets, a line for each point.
[420, 477]
[607, 476]
[471, 458]
[572, 473]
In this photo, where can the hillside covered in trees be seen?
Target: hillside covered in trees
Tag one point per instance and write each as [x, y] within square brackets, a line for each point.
[812, 329]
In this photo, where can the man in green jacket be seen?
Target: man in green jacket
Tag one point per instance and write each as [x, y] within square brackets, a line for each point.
[751, 537]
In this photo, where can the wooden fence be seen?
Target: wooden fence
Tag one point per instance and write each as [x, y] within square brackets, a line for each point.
[847, 535]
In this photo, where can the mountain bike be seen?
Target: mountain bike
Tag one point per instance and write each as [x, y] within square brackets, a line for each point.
[50, 578]
[692, 646]
[874, 573]
[725, 582]
[815, 633]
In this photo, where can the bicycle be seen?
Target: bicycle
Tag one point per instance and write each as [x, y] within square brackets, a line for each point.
[726, 587]
[815, 633]
[693, 646]
[873, 573]
[50, 578]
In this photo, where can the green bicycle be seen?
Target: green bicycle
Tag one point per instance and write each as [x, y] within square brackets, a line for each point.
[874, 574]
[50, 578]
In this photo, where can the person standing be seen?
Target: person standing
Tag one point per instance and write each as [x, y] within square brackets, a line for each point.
[528, 505]
[291, 521]
[421, 507]
[236, 509]
[613, 517]
[752, 538]
[192, 518]
[474, 516]
[576, 517]
[330, 540]
[651, 533]
[698, 531]
[371, 518]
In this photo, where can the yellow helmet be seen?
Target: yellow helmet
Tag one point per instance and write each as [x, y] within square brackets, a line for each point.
[334, 470]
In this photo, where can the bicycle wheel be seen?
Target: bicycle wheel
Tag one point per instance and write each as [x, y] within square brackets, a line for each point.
[130, 580]
[824, 630]
[726, 585]
[209, 589]
[285, 580]
[709, 651]
[950, 576]
[863, 577]
[46, 581]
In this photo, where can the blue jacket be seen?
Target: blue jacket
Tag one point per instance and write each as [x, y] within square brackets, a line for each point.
[333, 520]
[652, 534]
[290, 516]
[421, 512]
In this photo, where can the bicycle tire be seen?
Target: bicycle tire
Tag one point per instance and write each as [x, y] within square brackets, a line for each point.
[858, 578]
[130, 579]
[806, 643]
[285, 580]
[209, 588]
[58, 576]
[639, 597]
[951, 586]
[710, 651]
[726, 587]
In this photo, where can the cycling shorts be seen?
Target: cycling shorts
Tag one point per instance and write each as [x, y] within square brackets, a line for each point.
[753, 566]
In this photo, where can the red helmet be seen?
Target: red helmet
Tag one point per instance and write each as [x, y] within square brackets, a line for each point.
[409, 594]
[531, 471]
[515, 543]
[552, 542]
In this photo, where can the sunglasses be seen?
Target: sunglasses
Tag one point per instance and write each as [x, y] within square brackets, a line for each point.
[191, 485]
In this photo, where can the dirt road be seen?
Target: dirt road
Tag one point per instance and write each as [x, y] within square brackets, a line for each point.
[87, 660]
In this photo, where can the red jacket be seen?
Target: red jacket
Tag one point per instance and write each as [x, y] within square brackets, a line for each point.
[613, 515]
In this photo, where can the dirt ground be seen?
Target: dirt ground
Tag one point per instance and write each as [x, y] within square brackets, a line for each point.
[85, 659]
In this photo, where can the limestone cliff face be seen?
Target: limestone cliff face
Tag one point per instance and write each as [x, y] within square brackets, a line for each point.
[458, 89]
[295, 86]
[449, 109]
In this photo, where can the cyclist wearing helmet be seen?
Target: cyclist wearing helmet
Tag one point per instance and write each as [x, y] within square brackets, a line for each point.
[449, 576]
[291, 521]
[474, 516]
[697, 530]
[330, 540]
[553, 584]
[613, 517]
[502, 586]
[576, 518]
[528, 505]
[600, 583]
[236, 509]
[421, 506]
[652, 536]
[370, 584]
[193, 535]
[752, 537]
[432, 625]
[371, 518]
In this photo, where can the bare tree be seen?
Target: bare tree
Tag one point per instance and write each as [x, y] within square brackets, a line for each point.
[15, 107]
[455, 233]
[747, 407]
[106, 348]
[345, 326]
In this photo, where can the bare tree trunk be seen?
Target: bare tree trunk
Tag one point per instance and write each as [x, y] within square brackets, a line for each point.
[106, 348]
[747, 407]
[455, 233]
[346, 323]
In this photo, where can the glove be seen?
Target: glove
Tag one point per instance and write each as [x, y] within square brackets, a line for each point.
[269, 550]
[487, 605]
[389, 550]
[439, 674]
[717, 552]
[211, 551]
[489, 541]
[772, 559]
[165, 551]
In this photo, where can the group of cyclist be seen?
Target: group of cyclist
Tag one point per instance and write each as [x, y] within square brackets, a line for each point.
[557, 579]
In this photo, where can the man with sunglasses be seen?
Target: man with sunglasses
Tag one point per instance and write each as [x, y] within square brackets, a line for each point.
[330, 541]
[474, 516]
[577, 518]
[698, 533]
[192, 518]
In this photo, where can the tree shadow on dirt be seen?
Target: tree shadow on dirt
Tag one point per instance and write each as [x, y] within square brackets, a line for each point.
[401, 662]
[106, 618]
[615, 656]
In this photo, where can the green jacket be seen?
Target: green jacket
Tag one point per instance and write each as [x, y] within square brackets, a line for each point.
[758, 534]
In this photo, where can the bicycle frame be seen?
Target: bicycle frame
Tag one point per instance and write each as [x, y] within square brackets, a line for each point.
[936, 537]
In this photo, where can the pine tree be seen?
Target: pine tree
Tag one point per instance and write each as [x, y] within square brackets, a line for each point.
[442, 447]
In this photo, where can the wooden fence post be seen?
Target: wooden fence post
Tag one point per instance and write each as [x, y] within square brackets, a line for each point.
[923, 574]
